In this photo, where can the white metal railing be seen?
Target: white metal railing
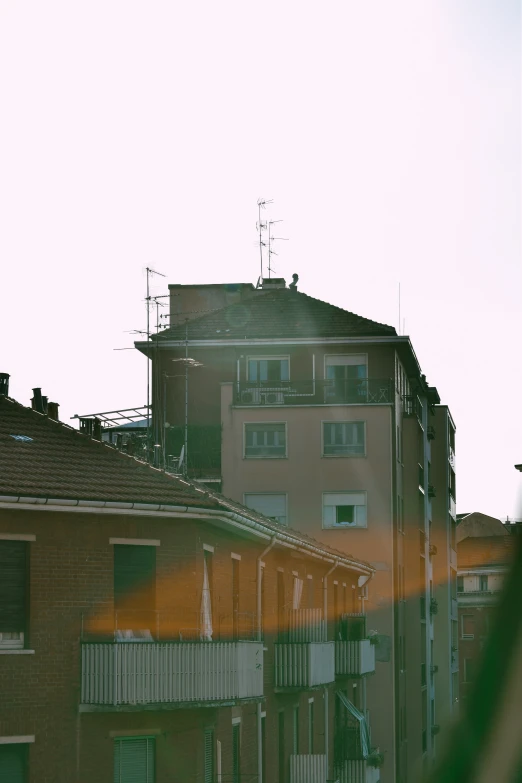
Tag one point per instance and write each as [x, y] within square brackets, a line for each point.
[129, 673]
[304, 665]
[309, 768]
[354, 658]
[305, 625]
[357, 772]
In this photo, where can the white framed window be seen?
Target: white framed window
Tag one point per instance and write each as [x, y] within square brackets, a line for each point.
[271, 504]
[344, 438]
[268, 369]
[11, 640]
[265, 439]
[344, 509]
[467, 626]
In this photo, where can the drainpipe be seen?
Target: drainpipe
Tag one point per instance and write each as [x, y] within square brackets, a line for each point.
[259, 638]
[325, 695]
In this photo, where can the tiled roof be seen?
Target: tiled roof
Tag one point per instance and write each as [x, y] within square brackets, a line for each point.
[485, 551]
[42, 458]
[279, 313]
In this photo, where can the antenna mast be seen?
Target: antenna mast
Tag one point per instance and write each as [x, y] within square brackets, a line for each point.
[270, 240]
[149, 272]
[261, 204]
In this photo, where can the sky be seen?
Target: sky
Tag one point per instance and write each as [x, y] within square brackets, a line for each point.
[387, 134]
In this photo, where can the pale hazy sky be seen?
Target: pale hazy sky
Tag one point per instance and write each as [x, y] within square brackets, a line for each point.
[387, 133]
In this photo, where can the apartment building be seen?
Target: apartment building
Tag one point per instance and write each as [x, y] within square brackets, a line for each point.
[324, 421]
[153, 631]
[484, 551]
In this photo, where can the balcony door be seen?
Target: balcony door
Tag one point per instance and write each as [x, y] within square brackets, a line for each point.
[345, 376]
[134, 591]
[268, 371]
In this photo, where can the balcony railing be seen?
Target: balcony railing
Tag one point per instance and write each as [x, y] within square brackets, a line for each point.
[357, 391]
[354, 659]
[357, 772]
[308, 768]
[129, 673]
[304, 665]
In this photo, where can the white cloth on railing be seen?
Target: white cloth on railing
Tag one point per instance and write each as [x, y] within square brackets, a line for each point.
[298, 592]
[205, 633]
[355, 713]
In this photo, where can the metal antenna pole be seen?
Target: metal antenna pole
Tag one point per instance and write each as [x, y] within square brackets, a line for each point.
[185, 456]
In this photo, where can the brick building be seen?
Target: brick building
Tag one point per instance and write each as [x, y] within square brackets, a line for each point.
[484, 550]
[324, 420]
[153, 631]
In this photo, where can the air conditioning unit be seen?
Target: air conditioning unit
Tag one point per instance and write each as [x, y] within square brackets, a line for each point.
[273, 397]
[248, 396]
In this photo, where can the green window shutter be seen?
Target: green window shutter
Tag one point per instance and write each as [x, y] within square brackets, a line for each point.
[13, 763]
[134, 760]
[209, 756]
[13, 585]
[236, 753]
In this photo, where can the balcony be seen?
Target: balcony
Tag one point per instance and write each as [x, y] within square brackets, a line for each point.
[355, 658]
[141, 673]
[303, 657]
[357, 391]
[308, 768]
[357, 772]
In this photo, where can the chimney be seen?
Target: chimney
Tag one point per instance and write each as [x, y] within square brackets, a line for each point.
[45, 402]
[4, 384]
[37, 400]
[91, 426]
[273, 282]
[52, 411]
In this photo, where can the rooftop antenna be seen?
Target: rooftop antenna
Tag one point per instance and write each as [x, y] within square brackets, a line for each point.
[149, 272]
[270, 240]
[261, 226]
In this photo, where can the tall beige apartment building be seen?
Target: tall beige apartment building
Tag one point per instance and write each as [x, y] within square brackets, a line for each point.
[323, 420]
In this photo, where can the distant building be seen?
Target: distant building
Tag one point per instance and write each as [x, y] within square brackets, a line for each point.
[323, 420]
[484, 549]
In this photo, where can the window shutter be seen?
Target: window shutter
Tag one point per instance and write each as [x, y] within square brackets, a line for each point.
[134, 760]
[236, 753]
[12, 763]
[270, 505]
[209, 756]
[13, 585]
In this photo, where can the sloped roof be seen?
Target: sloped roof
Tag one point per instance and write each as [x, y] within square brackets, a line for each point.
[278, 313]
[485, 551]
[477, 525]
[43, 458]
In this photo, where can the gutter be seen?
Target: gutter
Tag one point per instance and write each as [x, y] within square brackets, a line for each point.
[149, 509]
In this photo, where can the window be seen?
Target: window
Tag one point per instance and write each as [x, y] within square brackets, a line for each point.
[344, 509]
[268, 369]
[311, 726]
[272, 505]
[235, 598]
[467, 625]
[134, 590]
[134, 759]
[483, 584]
[281, 746]
[265, 440]
[236, 752]
[13, 593]
[344, 438]
[346, 378]
[13, 763]
[468, 670]
[209, 756]
[296, 731]
[460, 584]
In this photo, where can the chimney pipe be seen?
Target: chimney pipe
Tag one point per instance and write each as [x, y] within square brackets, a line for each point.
[52, 411]
[37, 401]
[45, 402]
[4, 384]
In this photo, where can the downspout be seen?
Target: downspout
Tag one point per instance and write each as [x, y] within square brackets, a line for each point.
[325, 693]
[259, 638]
